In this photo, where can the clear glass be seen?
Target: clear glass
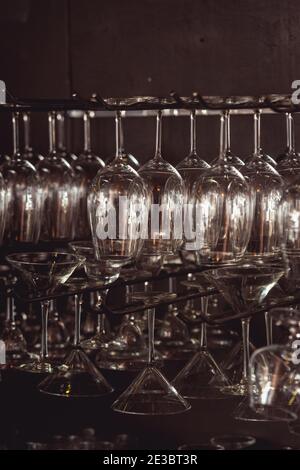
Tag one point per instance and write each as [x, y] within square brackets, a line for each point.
[117, 207]
[274, 383]
[29, 153]
[231, 159]
[267, 185]
[257, 144]
[43, 272]
[60, 190]
[224, 210]
[22, 199]
[165, 190]
[87, 166]
[289, 165]
[191, 169]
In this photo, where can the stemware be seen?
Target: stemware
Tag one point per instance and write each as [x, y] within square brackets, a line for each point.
[87, 165]
[43, 272]
[60, 190]
[244, 287]
[77, 376]
[231, 158]
[151, 393]
[191, 169]
[24, 197]
[117, 207]
[289, 165]
[127, 158]
[224, 210]
[165, 192]
[257, 143]
[274, 383]
[201, 377]
[267, 186]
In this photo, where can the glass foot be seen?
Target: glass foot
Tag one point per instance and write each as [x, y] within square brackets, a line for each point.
[37, 367]
[95, 343]
[244, 412]
[239, 389]
[77, 377]
[233, 442]
[201, 378]
[151, 394]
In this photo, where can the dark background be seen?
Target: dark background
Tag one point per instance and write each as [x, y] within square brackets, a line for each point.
[150, 47]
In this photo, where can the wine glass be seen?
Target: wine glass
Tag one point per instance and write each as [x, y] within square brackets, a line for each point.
[267, 186]
[289, 165]
[224, 210]
[43, 272]
[201, 377]
[165, 191]
[24, 196]
[231, 159]
[60, 191]
[117, 207]
[191, 169]
[244, 287]
[87, 165]
[274, 383]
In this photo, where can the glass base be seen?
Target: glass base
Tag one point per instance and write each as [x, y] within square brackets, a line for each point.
[201, 378]
[233, 442]
[151, 394]
[37, 367]
[96, 342]
[244, 412]
[240, 389]
[77, 377]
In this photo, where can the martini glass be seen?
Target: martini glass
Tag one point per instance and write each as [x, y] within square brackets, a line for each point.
[232, 159]
[43, 272]
[117, 207]
[151, 393]
[244, 287]
[87, 165]
[104, 272]
[24, 196]
[165, 192]
[191, 169]
[60, 190]
[201, 377]
[267, 186]
[224, 210]
[77, 376]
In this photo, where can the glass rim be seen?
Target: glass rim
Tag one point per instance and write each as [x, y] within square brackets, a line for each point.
[10, 258]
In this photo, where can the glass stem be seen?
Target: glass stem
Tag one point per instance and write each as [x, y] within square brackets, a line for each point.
[101, 297]
[60, 119]
[291, 133]
[228, 140]
[10, 309]
[87, 132]
[246, 347]
[78, 309]
[151, 321]
[16, 138]
[52, 132]
[257, 144]
[45, 304]
[203, 332]
[26, 124]
[158, 135]
[119, 135]
[269, 328]
[222, 137]
[193, 132]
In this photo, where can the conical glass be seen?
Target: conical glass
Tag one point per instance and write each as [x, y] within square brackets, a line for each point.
[267, 186]
[77, 376]
[43, 272]
[224, 210]
[60, 191]
[117, 207]
[87, 166]
[165, 191]
[23, 193]
[151, 393]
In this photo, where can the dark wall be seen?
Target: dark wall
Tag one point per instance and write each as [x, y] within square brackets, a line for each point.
[122, 48]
